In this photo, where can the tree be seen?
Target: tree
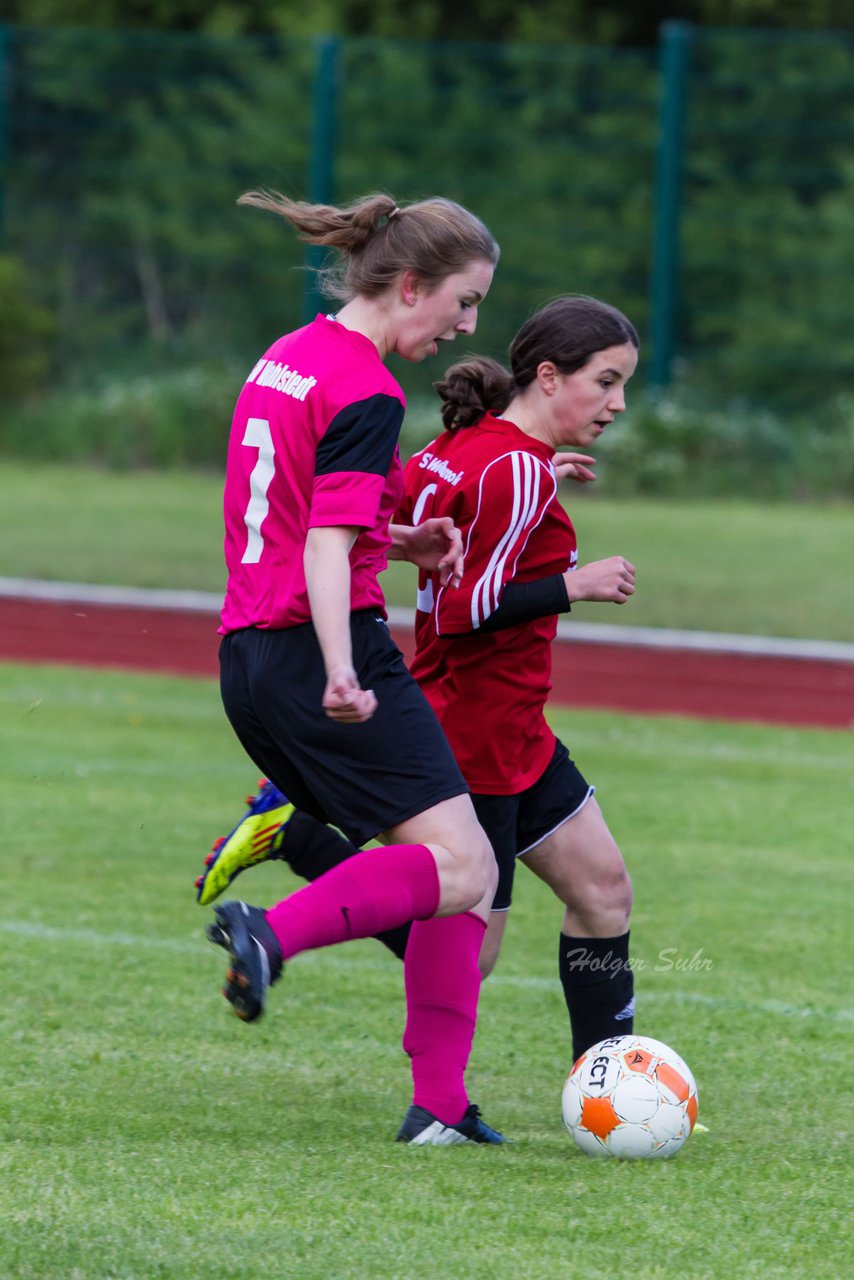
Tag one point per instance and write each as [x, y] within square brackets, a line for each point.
[624, 22]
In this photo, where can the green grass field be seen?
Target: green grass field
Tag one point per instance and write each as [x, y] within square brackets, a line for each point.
[148, 1135]
[763, 569]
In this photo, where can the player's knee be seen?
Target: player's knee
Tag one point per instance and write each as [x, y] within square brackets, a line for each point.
[468, 872]
[619, 890]
[614, 893]
[480, 875]
[490, 870]
[629, 894]
[604, 902]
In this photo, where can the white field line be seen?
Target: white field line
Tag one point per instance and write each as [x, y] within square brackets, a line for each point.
[93, 938]
[581, 632]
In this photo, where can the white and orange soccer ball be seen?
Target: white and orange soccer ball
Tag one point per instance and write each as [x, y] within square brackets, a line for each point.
[630, 1097]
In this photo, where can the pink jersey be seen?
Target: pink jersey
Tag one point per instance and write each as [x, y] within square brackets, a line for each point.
[313, 443]
[489, 690]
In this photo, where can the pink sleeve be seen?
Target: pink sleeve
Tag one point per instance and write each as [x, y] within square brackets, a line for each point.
[345, 498]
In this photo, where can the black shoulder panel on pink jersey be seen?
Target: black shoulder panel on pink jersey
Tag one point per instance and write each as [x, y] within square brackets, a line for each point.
[361, 437]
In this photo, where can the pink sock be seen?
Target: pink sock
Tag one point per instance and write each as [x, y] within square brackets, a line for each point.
[442, 987]
[372, 891]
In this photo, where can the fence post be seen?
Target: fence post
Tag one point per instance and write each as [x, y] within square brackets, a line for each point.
[5, 93]
[675, 41]
[321, 162]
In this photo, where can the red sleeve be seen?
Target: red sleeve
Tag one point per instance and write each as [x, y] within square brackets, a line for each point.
[513, 494]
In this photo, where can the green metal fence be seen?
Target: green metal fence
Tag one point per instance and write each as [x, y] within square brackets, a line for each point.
[704, 186]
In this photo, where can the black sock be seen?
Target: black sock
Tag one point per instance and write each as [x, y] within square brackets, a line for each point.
[598, 986]
[310, 848]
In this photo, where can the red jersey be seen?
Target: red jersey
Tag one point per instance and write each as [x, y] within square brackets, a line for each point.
[313, 443]
[489, 690]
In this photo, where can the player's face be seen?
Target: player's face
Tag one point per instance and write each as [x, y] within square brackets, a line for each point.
[438, 314]
[586, 401]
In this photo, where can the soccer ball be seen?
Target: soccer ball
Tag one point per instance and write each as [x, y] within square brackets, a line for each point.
[630, 1097]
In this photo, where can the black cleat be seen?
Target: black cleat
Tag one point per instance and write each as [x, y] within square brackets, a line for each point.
[256, 957]
[422, 1129]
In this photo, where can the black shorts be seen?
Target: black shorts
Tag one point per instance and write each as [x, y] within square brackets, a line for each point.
[517, 824]
[363, 778]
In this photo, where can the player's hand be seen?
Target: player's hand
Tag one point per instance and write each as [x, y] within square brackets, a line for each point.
[437, 545]
[611, 580]
[574, 466]
[345, 700]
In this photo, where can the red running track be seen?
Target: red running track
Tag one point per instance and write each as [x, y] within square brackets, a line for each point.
[730, 686]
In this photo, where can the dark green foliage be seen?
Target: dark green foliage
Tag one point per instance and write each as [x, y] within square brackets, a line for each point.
[604, 21]
[126, 152]
[174, 419]
[676, 444]
[679, 444]
[130, 152]
[768, 230]
[26, 330]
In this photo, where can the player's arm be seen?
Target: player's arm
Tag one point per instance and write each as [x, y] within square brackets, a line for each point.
[611, 580]
[524, 601]
[327, 577]
[514, 494]
[353, 459]
[574, 466]
[435, 545]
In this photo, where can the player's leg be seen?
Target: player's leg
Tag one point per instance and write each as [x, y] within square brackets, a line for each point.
[442, 980]
[580, 861]
[498, 815]
[365, 778]
[274, 830]
[492, 942]
[311, 848]
[272, 685]
[442, 976]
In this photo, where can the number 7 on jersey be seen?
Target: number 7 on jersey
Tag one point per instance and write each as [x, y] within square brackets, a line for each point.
[258, 436]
